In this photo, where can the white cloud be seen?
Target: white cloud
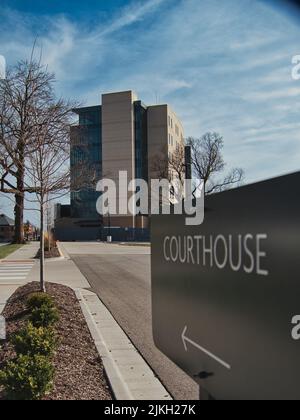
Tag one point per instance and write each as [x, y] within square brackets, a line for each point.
[266, 96]
[68, 47]
[279, 128]
[130, 15]
[279, 75]
[254, 42]
[221, 65]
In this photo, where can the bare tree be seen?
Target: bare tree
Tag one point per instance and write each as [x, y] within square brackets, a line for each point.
[27, 89]
[208, 162]
[85, 174]
[170, 165]
[47, 164]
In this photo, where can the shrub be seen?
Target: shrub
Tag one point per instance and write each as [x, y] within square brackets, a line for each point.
[32, 340]
[27, 377]
[43, 311]
[49, 240]
[45, 316]
[36, 300]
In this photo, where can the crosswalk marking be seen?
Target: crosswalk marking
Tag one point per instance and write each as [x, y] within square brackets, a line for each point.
[16, 265]
[16, 273]
[9, 270]
[13, 270]
[20, 276]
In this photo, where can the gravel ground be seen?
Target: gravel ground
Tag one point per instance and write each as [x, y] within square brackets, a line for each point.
[79, 370]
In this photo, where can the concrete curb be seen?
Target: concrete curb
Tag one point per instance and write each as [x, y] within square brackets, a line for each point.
[61, 253]
[129, 375]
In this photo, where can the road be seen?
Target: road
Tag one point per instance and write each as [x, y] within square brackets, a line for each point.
[121, 277]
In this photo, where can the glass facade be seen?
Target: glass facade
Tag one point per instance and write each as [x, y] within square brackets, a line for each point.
[86, 163]
[141, 141]
[86, 157]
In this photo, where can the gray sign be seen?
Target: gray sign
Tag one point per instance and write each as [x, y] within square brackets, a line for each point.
[226, 294]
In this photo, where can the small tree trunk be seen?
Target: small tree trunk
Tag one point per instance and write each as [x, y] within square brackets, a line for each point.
[42, 250]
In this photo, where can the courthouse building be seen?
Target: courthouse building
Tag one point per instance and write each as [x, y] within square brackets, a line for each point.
[121, 134]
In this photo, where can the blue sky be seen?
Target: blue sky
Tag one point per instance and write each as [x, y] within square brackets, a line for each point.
[223, 65]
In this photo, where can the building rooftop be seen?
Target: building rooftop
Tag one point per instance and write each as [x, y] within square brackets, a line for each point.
[6, 221]
[86, 109]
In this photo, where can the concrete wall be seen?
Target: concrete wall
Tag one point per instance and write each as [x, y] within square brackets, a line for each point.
[165, 138]
[165, 132]
[68, 229]
[141, 222]
[175, 129]
[118, 140]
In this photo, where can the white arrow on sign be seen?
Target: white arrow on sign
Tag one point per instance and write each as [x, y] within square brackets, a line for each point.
[186, 340]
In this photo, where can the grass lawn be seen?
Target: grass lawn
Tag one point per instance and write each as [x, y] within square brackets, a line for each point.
[8, 249]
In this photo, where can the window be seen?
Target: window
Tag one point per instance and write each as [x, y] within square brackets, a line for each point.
[86, 149]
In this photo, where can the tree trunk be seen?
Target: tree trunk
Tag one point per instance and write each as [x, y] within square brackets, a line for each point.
[42, 250]
[19, 207]
[19, 219]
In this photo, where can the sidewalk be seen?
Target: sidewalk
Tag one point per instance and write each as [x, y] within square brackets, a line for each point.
[20, 268]
[61, 271]
[27, 252]
[129, 375]
[15, 270]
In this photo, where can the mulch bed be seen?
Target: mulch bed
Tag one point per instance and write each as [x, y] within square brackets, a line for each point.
[79, 371]
[53, 253]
